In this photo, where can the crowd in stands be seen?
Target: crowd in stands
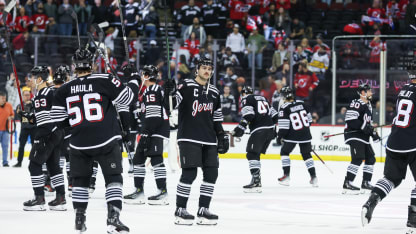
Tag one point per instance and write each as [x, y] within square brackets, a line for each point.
[252, 34]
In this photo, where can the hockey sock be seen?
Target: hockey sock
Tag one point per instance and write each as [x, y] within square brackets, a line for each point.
[37, 177]
[114, 194]
[184, 186]
[61, 162]
[68, 172]
[383, 187]
[413, 197]
[207, 186]
[352, 169]
[57, 182]
[311, 167]
[80, 192]
[367, 172]
[253, 162]
[159, 171]
[139, 172]
[286, 164]
[94, 170]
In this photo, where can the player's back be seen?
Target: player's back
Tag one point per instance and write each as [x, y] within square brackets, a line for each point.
[258, 107]
[403, 130]
[296, 117]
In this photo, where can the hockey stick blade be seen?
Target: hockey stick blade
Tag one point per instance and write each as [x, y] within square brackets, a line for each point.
[103, 24]
[10, 6]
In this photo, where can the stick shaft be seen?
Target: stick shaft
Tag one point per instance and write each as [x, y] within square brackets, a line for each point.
[323, 162]
[126, 48]
[167, 53]
[342, 133]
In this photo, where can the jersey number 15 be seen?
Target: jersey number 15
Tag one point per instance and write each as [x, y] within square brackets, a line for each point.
[93, 112]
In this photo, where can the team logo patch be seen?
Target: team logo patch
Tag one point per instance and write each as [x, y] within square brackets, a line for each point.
[324, 133]
[113, 165]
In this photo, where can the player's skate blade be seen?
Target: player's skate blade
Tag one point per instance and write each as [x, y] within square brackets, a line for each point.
[34, 208]
[113, 230]
[135, 198]
[349, 189]
[368, 208]
[314, 182]
[204, 221]
[411, 230]
[205, 217]
[181, 221]
[58, 204]
[36, 204]
[161, 198]
[284, 180]
[183, 217]
[364, 220]
[252, 190]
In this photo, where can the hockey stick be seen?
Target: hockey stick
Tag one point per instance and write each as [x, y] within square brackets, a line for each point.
[329, 169]
[123, 30]
[99, 29]
[167, 54]
[75, 17]
[8, 8]
[342, 133]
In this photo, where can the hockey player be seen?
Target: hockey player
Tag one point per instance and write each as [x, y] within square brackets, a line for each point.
[200, 139]
[400, 153]
[46, 146]
[86, 104]
[155, 128]
[261, 119]
[358, 129]
[294, 121]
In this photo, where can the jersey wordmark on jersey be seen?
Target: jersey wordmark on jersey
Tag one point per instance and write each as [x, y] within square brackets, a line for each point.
[403, 130]
[294, 122]
[155, 118]
[257, 112]
[87, 103]
[358, 115]
[197, 112]
[42, 103]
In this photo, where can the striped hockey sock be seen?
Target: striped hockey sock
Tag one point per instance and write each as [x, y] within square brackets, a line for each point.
[254, 166]
[206, 191]
[114, 194]
[38, 182]
[139, 172]
[383, 187]
[310, 166]
[352, 171]
[57, 182]
[182, 194]
[286, 164]
[80, 197]
[62, 162]
[413, 197]
[160, 175]
[368, 172]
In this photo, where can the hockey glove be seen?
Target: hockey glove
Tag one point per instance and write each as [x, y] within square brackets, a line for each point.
[376, 137]
[170, 87]
[223, 144]
[30, 116]
[238, 131]
[144, 143]
[279, 141]
[125, 137]
[368, 129]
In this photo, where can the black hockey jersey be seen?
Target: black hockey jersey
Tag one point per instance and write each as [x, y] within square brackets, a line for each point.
[188, 13]
[87, 103]
[358, 115]
[155, 119]
[130, 12]
[294, 122]
[198, 112]
[257, 112]
[228, 105]
[42, 103]
[210, 15]
[403, 130]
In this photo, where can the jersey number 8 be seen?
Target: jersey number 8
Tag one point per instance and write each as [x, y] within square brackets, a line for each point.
[404, 110]
[93, 111]
[299, 120]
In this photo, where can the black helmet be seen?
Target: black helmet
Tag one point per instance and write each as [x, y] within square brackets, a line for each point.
[205, 61]
[82, 59]
[61, 74]
[287, 92]
[363, 87]
[247, 90]
[151, 71]
[40, 71]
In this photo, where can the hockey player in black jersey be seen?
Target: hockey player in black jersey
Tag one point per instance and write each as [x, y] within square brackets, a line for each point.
[358, 130]
[46, 146]
[294, 122]
[155, 128]
[400, 154]
[86, 104]
[200, 139]
[261, 119]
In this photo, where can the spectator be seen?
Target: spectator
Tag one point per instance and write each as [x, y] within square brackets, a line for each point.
[186, 16]
[111, 60]
[183, 68]
[321, 44]
[208, 52]
[228, 106]
[319, 63]
[340, 117]
[30, 8]
[297, 29]
[193, 45]
[3, 52]
[197, 29]
[237, 10]
[65, 18]
[151, 24]
[84, 14]
[22, 21]
[299, 55]
[19, 42]
[183, 50]
[305, 82]
[211, 17]
[348, 54]
[376, 46]
[283, 74]
[114, 14]
[131, 16]
[259, 42]
[401, 15]
[315, 117]
[236, 42]
[283, 20]
[376, 10]
[285, 4]
[228, 58]
[99, 12]
[269, 17]
[51, 45]
[12, 92]
[111, 36]
[6, 114]
[229, 78]
[410, 19]
[278, 58]
[133, 45]
[27, 128]
[307, 50]
[51, 9]
[264, 88]
[277, 99]
[152, 54]
[40, 19]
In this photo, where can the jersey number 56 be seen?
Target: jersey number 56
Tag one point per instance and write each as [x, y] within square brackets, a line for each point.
[93, 112]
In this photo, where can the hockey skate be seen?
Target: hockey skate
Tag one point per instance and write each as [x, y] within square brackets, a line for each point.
[284, 180]
[411, 220]
[135, 198]
[183, 217]
[314, 182]
[161, 198]
[205, 217]
[114, 225]
[254, 186]
[80, 218]
[36, 204]
[348, 188]
[368, 208]
[49, 190]
[366, 187]
[59, 203]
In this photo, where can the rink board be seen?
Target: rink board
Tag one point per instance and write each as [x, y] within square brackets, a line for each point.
[329, 149]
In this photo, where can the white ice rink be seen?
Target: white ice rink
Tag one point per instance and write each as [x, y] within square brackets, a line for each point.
[297, 209]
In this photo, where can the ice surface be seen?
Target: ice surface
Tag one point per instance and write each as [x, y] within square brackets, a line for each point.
[298, 208]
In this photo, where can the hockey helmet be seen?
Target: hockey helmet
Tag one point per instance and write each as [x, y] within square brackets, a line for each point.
[287, 92]
[151, 71]
[247, 90]
[82, 59]
[61, 74]
[40, 71]
[205, 61]
[363, 87]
